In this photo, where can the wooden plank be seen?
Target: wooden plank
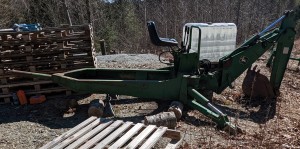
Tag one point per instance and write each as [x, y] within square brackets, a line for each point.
[68, 92]
[28, 49]
[32, 68]
[154, 138]
[138, 139]
[58, 34]
[78, 134]
[47, 62]
[101, 135]
[25, 84]
[29, 58]
[3, 81]
[4, 100]
[26, 37]
[60, 45]
[34, 36]
[7, 100]
[63, 66]
[33, 92]
[48, 90]
[49, 40]
[89, 135]
[5, 90]
[80, 56]
[68, 133]
[134, 130]
[5, 96]
[45, 52]
[51, 71]
[113, 136]
[173, 134]
[173, 144]
[37, 87]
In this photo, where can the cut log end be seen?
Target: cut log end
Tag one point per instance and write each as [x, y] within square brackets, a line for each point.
[72, 103]
[177, 108]
[94, 111]
[96, 108]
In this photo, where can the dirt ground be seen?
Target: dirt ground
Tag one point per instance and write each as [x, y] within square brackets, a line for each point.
[32, 126]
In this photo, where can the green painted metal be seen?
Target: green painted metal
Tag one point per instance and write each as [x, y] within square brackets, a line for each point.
[185, 80]
[284, 48]
[157, 84]
[33, 74]
[236, 63]
[282, 38]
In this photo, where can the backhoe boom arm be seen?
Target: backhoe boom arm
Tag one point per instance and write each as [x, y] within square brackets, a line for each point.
[234, 64]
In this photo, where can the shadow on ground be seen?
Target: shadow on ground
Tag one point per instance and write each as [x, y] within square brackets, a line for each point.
[49, 113]
[264, 110]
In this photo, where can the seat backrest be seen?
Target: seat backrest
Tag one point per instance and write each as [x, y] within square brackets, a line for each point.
[153, 33]
[156, 40]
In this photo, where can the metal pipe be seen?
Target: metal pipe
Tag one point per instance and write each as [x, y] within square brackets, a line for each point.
[215, 109]
[200, 98]
[271, 26]
[204, 110]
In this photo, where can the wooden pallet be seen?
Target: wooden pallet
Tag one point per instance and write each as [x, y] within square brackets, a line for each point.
[104, 133]
[48, 92]
[5, 77]
[46, 33]
[51, 50]
[5, 100]
[46, 51]
[41, 90]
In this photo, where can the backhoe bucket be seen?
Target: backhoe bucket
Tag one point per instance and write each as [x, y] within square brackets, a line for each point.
[256, 85]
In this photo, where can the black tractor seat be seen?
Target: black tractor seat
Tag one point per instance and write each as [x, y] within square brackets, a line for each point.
[158, 41]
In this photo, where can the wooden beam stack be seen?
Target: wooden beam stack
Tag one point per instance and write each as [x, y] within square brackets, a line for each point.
[51, 50]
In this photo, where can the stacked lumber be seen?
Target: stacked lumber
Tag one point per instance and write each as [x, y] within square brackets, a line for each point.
[51, 50]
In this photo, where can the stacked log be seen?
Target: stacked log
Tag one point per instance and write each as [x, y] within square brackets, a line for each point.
[51, 50]
[96, 108]
[168, 119]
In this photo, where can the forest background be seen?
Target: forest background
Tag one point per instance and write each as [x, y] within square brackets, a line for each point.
[122, 23]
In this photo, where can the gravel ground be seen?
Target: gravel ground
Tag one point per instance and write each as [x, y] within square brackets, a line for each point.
[34, 125]
[133, 61]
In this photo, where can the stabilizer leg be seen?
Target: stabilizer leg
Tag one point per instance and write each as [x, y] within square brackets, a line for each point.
[108, 110]
[203, 105]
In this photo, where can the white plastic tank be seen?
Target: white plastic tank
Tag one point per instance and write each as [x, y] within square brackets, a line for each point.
[216, 39]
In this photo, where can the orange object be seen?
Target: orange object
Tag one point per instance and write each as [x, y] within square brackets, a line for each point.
[22, 97]
[37, 99]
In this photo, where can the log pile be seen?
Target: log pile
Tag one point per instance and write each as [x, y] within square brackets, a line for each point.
[51, 50]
